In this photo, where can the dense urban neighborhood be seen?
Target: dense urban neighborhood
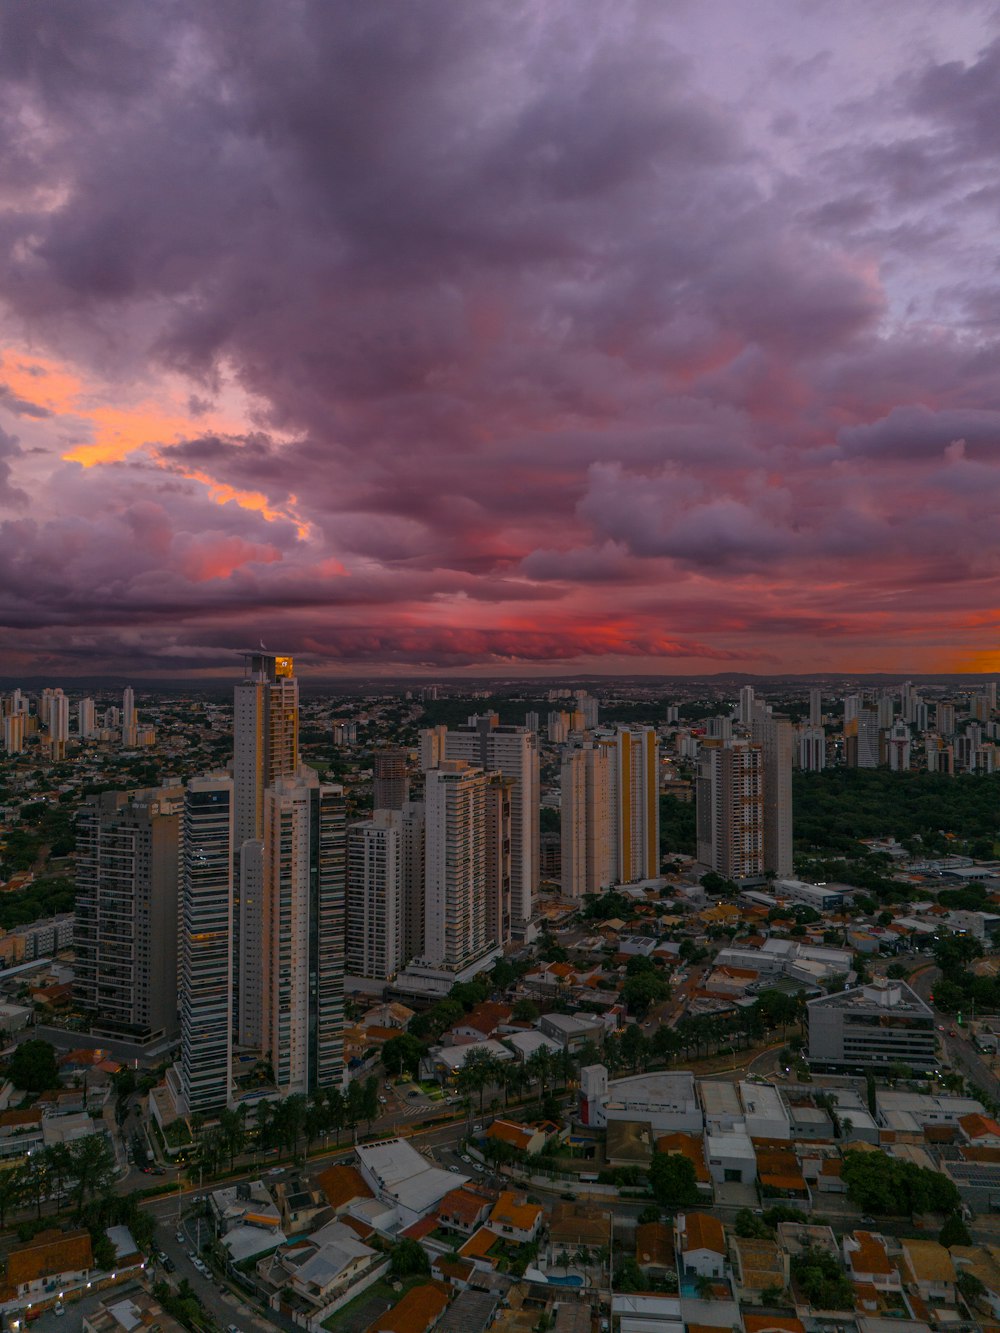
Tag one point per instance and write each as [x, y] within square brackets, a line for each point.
[625, 1009]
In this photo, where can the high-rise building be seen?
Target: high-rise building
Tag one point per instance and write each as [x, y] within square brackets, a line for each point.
[302, 974]
[815, 707]
[265, 747]
[467, 864]
[852, 703]
[128, 718]
[944, 718]
[13, 733]
[432, 747]
[125, 933]
[413, 853]
[861, 740]
[940, 755]
[44, 706]
[513, 751]
[206, 955]
[589, 708]
[730, 809]
[746, 705]
[557, 728]
[531, 721]
[637, 818]
[391, 784]
[897, 747]
[375, 897]
[812, 749]
[58, 724]
[85, 722]
[777, 741]
[719, 728]
[886, 711]
[588, 849]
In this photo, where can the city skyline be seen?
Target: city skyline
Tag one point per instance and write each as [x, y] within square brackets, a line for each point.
[590, 337]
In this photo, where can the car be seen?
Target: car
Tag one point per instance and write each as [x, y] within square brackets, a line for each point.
[466, 1157]
[193, 1257]
[478, 1166]
[168, 1265]
[414, 1093]
[868, 1220]
[180, 1238]
[453, 1168]
[276, 1171]
[59, 1308]
[161, 1256]
[233, 1328]
[383, 1101]
[476, 1128]
[952, 1032]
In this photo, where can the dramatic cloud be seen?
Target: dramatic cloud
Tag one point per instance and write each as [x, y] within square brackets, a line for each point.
[600, 333]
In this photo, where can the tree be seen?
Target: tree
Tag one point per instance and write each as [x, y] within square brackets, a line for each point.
[525, 1011]
[750, 1227]
[91, 1166]
[409, 1258]
[33, 1066]
[970, 1286]
[954, 1232]
[674, 1181]
[651, 1213]
[882, 1185]
[642, 991]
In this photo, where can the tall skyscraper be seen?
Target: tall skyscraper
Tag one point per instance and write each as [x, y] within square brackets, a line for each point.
[944, 717]
[777, 741]
[128, 718]
[730, 810]
[886, 711]
[815, 707]
[746, 705]
[391, 785]
[432, 747]
[638, 804]
[467, 864]
[852, 703]
[513, 751]
[375, 897]
[302, 977]
[589, 847]
[206, 972]
[85, 718]
[125, 934]
[413, 854]
[861, 740]
[265, 747]
[58, 724]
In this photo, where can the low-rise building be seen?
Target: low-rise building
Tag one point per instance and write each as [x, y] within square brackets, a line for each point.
[929, 1266]
[665, 1102]
[51, 1260]
[872, 1026]
[867, 1261]
[700, 1243]
[654, 1249]
[514, 1218]
[417, 1312]
[731, 1158]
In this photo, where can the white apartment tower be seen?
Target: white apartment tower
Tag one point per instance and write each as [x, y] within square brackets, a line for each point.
[815, 707]
[812, 749]
[265, 747]
[730, 811]
[375, 897]
[467, 864]
[512, 751]
[302, 974]
[206, 956]
[85, 721]
[13, 733]
[776, 738]
[746, 705]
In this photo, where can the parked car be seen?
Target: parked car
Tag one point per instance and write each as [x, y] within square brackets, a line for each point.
[276, 1171]
[180, 1238]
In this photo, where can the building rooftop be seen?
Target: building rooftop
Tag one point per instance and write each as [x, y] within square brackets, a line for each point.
[876, 998]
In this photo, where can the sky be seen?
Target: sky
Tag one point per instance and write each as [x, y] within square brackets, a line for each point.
[641, 336]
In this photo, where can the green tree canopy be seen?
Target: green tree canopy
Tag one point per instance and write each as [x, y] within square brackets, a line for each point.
[673, 1178]
[33, 1066]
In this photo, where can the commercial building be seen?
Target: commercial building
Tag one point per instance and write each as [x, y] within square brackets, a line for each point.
[125, 934]
[206, 943]
[666, 1102]
[872, 1026]
[265, 747]
[302, 978]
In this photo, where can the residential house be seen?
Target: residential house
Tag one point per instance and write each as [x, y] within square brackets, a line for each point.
[514, 1218]
[417, 1312]
[700, 1243]
[485, 1021]
[51, 1261]
[342, 1186]
[981, 1131]
[20, 1132]
[867, 1261]
[929, 1267]
[526, 1138]
[629, 1143]
[760, 1265]
[654, 1249]
[983, 1262]
[311, 1273]
[463, 1210]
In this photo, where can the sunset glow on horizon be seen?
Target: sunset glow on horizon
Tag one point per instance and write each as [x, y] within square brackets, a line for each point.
[590, 337]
